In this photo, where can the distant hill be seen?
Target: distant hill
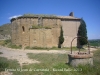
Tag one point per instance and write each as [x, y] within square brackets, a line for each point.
[5, 31]
[5, 28]
[94, 42]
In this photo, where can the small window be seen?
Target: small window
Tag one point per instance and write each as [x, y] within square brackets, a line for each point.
[23, 28]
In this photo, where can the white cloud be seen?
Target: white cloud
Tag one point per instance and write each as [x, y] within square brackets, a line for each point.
[14, 16]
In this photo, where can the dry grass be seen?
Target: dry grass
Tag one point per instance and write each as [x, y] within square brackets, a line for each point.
[50, 62]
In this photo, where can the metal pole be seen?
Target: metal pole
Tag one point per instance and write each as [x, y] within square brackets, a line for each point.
[80, 37]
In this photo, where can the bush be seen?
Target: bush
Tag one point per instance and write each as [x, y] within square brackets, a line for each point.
[47, 27]
[5, 42]
[35, 47]
[61, 38]
[82, 31]
[27, 47]
[15, 46]
[5, 63]
[1, 53]
[35, 27]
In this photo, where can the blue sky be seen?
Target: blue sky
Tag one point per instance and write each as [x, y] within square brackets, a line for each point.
[89, 10]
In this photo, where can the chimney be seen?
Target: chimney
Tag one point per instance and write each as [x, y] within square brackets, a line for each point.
[71, 14]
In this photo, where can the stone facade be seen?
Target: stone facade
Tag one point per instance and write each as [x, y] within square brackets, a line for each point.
[80, 59]
[70, 28]
[47, 35]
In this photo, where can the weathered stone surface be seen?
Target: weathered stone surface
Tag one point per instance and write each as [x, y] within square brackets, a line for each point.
[80, 59]
[70, 29]
[23, 34]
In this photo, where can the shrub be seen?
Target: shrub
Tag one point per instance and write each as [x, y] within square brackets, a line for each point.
[8, 41]
[47, 27]
[1, 53]
[27, 47]
[35, 27]
[82, 31]
[3, 63]
[5, 42]
[15, 46]
[35, 47]
[61, 38]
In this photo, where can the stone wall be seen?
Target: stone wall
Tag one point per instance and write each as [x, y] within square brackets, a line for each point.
[38, 37]
[46, 38]
[52, 22]
[20, 32]
[23, 34]
[80, 59]
[70, 28]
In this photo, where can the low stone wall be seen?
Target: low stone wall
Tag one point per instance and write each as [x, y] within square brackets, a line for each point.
[80, 59]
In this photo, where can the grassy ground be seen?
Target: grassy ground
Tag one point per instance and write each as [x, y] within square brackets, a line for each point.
[53, 48]
[5, 63]
[7, 43]
[51, 62]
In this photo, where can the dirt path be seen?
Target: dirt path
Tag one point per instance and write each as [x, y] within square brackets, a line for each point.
[21, 55]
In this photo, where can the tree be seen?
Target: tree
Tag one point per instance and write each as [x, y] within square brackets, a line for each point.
[61, 38]
[82, 31]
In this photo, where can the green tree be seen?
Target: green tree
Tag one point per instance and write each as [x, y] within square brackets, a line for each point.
[61, 38]
[82, 31]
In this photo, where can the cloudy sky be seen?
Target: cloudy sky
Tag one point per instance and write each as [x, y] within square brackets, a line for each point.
[89, 10]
